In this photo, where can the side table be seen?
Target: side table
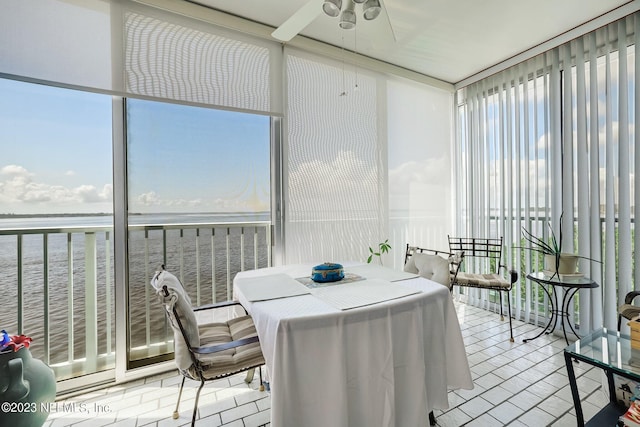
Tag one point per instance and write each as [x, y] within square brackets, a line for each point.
[610, 351]
[571, 284]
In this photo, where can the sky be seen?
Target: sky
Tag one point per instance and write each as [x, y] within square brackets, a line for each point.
[56, 149]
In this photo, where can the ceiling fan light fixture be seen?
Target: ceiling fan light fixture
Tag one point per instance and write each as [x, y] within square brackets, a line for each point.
[348, 19]
[348, 16]
[332, 7]
[359, 1]
[371, 9]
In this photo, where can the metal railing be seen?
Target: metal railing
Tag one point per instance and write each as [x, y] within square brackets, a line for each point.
[58, 283]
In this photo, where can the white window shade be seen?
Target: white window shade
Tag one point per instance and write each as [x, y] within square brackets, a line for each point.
[419, 121]
[168, 59]
[126, 48]
[59, 41]
[335, 183]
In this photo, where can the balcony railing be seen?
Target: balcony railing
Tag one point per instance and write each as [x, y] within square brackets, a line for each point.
[58, 283]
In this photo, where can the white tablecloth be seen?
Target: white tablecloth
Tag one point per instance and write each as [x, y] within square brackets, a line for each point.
[386, 364]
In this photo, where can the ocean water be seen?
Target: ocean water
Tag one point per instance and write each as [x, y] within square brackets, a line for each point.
[202, 261]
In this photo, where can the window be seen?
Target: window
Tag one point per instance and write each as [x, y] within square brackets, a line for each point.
[199, 203]
[555, 136]
[56, 224]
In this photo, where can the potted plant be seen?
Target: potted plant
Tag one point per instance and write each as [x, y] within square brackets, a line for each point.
[555, 261]
[383, 248]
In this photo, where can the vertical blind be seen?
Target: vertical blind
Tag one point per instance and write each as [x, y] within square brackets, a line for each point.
[554, 137]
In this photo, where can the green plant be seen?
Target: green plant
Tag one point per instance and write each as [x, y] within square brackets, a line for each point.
[537, 244]
[383, 248]
[553, 247]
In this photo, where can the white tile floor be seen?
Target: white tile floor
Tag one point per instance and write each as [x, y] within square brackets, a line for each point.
[516, 384]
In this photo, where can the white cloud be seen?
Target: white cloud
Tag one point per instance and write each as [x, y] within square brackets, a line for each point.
[153, 202]
[20, 192]
[152, 199]
[69, 173]
[90, 194]
[15, 172]
[428, 171]
[148, 199]
[345, 183]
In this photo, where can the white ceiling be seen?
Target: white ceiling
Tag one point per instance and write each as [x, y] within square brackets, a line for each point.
[446, 39]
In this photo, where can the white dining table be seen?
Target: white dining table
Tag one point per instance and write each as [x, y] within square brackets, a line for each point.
[355, 354]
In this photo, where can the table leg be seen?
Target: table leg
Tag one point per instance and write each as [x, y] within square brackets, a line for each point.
[566, 301]
[574, 389]
[553, 318]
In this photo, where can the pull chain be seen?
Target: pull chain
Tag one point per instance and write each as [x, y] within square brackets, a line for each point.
[344, 92]
[355, 49]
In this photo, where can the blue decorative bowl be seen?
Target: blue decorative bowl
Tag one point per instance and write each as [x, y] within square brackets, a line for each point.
[327, 272]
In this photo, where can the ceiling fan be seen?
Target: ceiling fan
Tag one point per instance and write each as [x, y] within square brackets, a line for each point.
[333, 8]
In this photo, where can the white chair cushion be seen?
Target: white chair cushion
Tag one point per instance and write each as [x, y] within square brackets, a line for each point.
[432, 267]
[492, 281]
[179, 298]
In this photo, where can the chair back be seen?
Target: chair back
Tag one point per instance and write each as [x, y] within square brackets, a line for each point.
[182, 318]
[439, 266]
[487, 249]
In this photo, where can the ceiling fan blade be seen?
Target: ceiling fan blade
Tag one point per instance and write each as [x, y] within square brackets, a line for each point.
[298, 21]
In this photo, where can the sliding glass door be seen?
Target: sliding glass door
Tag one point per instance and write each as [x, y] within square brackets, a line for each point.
[198, 203]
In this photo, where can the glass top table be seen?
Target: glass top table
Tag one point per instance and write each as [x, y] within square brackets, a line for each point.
[571, 284]
[610, 351]
[607, 349]
[565, 280]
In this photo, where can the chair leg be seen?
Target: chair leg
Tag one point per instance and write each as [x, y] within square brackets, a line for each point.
[432, 419]
[176, 414]
[251, 373]
[249, 376]
[195, 406]
[510, 323]
[501, 315]
[261, 380]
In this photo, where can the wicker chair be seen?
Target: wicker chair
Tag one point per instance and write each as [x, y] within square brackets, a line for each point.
[491, 251]
[628, 310]
[206, 352]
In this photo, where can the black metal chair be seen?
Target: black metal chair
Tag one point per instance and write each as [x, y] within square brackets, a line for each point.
[491, 251]
[628, 310]
[206, 352]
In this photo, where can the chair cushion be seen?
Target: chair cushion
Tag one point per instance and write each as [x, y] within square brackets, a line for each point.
[629, 311]
[231, 360]
[493, 281]
[410, 266]
[179, 299]
[432, 267]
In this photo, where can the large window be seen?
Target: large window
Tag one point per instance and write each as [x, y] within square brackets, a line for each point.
[56, 253]
[199, 203]
[554, 138]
